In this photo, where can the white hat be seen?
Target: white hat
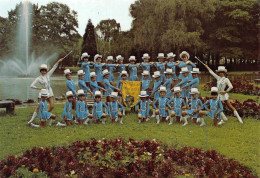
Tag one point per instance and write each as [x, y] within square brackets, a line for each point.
[214, 89]
[67, 71]
[97, 56]
[168, 71]
[84, 55]
[184, 70]
[124, 73]
[119, 57]
[221, 69]
[44, 92]
[194, 90]
[146, 72]
[43, 66]
[69, 93]
[39, 95]
[160, 55]
[186, 53]
[80, 92]
[132, 58]
[143, 94]
[110, 58]
[146, 55]
[81, 72]
[105, 72]
[93, 74]
[177, 89]
[170, 55]
[195, 71]
[114, 94]
[156, 74]
[162, 88]
[98, 93]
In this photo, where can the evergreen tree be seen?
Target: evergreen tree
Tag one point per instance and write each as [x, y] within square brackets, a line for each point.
[89, 40]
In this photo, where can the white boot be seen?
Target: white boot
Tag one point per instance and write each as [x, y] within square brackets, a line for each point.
[185, 121]
[116, 119]
[104, 121]
[221, 122]
[86, 121]
[75, 121]
[153, 113]
[147, 119]
[223, 116]
[139, 121]
[60, 124]
[238, 117]
[34, 125]
[198, 120]
[167, 118]
[171, 120]
[158, 119]
[121, 121]
[33, 117]
[123, 111]
[51, 121]
[202, 122]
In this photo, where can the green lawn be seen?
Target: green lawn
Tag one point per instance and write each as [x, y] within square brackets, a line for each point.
[233, 139]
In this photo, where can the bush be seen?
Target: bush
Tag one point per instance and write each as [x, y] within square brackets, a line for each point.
[120, 158]
[243, 87]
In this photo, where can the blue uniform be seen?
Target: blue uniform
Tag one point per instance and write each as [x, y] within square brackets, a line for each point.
[156, 85]
[162, 106]
[194, 105]
[81, 110]
[108, 87]
[120, 67]
[71, 86]
[146, 66]
[145, 85]
[97, 110]
[215, 107]
[83, 86]
[172, 65]
[184, 64]
[67, 111]
[119, 85]
[177, 103]
[86, 68]
[98, 70]
[192, 84]
[43, 113]
[133, 72]
[185, 91]
[113, 108]
[168, 85]
[95, 87]
[144, 107]
[111, 68]
[161, 67]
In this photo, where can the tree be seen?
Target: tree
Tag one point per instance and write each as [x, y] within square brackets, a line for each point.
[89, 40]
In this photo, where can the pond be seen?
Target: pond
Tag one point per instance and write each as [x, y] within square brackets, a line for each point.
[19, 88]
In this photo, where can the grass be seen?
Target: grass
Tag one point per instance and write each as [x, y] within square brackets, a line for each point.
[233, 139]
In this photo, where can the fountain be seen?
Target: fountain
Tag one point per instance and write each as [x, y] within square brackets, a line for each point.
[24, 63]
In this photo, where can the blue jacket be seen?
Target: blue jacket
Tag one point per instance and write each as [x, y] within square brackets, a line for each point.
[81, 110]
[184, 64]
[83, 86]
[156, 85]
[184, 92]
[145, 84]
[86, 68]
[98, 69]
[111, 68]
[108, 87]
[71, 86]
[144, 107]
[67, 111]
[133, 72]
[114, 107]
[168, 85]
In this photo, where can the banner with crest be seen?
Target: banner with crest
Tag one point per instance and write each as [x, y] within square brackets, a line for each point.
[130, 92]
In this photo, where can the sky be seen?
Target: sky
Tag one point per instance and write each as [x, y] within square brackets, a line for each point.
[96, 10]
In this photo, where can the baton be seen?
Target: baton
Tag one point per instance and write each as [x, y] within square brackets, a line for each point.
[67, 54]
[199, 60]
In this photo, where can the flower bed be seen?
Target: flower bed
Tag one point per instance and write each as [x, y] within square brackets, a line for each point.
[248, 108]
[243, 87]
[120, 158]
